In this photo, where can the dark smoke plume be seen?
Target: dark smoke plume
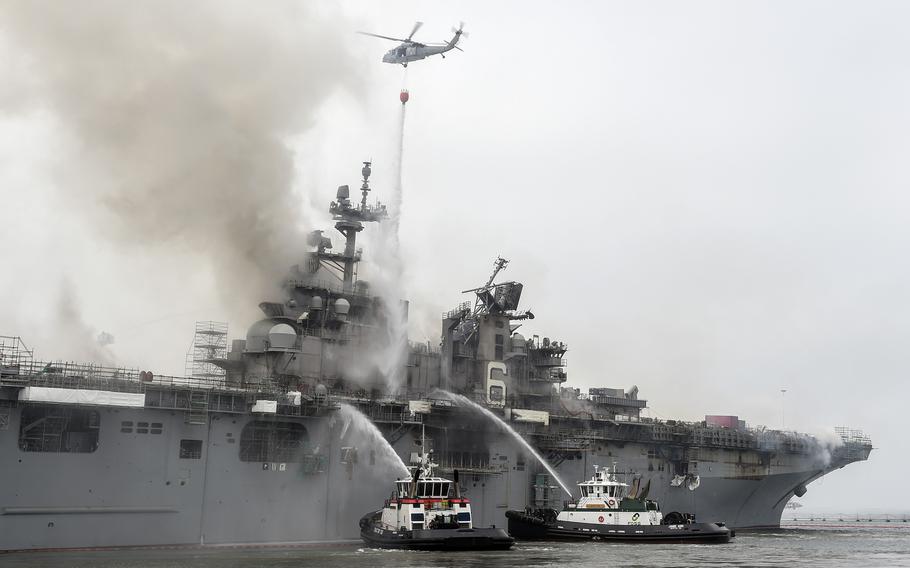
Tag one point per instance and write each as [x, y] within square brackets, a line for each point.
[178, 114]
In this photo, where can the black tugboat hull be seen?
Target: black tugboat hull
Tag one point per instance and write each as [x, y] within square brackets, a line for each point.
[523, 526]
[436, 539]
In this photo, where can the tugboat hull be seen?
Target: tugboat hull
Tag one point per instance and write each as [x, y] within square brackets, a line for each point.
[434, 539]
[529, 527]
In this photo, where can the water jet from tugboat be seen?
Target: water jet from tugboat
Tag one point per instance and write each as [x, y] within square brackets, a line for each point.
[465, 401]
[354, 417]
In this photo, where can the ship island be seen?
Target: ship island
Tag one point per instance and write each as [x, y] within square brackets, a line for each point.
[249, 447]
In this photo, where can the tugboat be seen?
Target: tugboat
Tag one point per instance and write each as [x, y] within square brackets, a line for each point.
[429, 513]
[609, 511]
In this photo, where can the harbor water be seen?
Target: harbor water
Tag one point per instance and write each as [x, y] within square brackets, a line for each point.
[828, 546]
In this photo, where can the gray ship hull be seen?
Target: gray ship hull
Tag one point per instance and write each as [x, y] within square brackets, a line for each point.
[136, 490]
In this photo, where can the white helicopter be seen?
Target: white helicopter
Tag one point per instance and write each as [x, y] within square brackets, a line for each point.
[411, 50]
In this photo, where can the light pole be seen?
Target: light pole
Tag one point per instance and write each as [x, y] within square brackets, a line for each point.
[782, 392]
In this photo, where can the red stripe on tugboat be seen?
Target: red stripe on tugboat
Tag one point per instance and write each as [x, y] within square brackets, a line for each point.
[424, 501]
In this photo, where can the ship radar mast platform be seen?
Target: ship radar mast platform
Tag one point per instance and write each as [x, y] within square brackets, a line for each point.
[349, 219]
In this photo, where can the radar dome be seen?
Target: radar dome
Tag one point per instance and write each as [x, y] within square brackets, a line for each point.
[282, 336]
[342, 307]
[257, 336]
[316, 303]
[518, 340]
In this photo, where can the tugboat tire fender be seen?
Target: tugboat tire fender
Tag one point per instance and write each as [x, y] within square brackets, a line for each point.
[674, 518]
[525, 518]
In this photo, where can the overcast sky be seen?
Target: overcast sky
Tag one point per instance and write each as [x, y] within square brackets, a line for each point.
[705, 199]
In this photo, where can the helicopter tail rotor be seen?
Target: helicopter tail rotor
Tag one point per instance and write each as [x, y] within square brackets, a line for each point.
[460, 30]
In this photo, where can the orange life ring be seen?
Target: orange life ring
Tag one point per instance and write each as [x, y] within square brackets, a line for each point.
[600, 519]
[611, 503]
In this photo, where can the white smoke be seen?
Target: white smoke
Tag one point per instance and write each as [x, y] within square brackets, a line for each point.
[176, 116]
[83, 342]
[823, 444]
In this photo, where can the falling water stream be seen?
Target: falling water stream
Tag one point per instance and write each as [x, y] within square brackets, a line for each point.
[391, 282]
[353, 416]
[465, 401]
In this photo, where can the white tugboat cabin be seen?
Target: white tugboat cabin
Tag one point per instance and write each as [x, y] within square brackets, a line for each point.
[606, 500]
[428, 512]
[431, 502]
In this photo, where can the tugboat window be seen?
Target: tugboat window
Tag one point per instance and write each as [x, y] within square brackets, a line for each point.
[52, 428]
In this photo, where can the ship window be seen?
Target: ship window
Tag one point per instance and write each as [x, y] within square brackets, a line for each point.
[464, 517]
[584, 491]
[437, 489]
[500, 325]
[52, 428]
[422, 489]
[190, 449]
[416, 517]
[499, 347]
[612, 491]
[264, 441]
[496, 393]
[126, 427]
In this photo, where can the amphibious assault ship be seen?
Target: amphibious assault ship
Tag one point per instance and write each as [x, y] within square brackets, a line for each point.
[250, 446]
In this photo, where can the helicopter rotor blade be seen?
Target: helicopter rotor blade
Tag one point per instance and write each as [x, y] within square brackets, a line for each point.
[414, 31]
[383, 37]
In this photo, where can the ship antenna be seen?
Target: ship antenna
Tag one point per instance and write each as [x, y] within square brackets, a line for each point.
[365, 188]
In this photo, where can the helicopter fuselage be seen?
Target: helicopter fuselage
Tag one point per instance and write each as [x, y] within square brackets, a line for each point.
[405, 54]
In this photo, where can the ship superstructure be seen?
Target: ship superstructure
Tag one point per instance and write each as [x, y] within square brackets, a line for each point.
[250, 447]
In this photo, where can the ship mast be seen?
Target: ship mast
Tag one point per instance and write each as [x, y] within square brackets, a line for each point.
[349, 221]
